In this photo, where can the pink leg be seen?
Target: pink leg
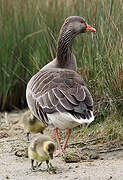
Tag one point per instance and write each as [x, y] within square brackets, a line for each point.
[60, 151]
[68, 133]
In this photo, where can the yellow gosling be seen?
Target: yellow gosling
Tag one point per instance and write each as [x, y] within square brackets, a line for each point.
[41, 149]
[32, 124]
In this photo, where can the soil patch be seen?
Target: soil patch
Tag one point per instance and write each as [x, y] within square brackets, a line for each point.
[82, 161]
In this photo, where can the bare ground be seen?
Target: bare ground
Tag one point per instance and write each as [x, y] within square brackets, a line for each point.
[91, 162]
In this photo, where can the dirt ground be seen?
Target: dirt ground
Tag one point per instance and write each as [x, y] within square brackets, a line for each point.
[91, 162]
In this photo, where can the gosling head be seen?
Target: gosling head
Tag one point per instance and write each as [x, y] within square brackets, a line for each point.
[31, 119]
[28, 118]
[49, 148]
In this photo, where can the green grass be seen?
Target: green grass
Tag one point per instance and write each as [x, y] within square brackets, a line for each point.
[28, 40]
[110, 130]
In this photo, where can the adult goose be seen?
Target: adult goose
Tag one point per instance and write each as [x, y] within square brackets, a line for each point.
[57, 95]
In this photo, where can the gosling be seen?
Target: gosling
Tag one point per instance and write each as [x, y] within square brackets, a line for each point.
[41, 149]
[31, 124]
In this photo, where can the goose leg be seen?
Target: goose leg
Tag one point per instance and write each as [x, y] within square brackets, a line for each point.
[68, 133]
[60, 151]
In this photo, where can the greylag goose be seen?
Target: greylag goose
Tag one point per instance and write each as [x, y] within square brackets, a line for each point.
[31, 124]
[41, 149]
[57, 95]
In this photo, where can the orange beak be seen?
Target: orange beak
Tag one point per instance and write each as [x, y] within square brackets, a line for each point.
[90, 29]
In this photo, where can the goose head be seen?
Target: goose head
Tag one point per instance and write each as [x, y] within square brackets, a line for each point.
[76, 25]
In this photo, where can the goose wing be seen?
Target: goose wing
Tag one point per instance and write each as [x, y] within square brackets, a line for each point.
[58, 90]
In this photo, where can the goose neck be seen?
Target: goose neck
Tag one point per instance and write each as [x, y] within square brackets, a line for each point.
[64, 50]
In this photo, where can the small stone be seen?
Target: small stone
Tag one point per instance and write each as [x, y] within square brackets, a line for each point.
[70, 167]
[101, 158]
[22, 153]
[71, 158]
[7, 177]
[77, 166]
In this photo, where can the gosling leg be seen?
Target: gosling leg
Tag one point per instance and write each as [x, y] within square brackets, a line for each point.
[27, 135]
[48, 168]
[32, 164]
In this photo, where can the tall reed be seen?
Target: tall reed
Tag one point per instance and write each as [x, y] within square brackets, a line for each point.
[28, 40]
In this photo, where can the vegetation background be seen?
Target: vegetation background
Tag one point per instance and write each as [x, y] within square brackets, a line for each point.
[28, 39]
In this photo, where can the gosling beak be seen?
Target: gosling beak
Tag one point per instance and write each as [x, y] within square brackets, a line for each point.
[51, 156]
[90, 29]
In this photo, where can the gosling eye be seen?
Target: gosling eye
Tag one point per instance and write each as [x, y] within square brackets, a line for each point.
[48, 150]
